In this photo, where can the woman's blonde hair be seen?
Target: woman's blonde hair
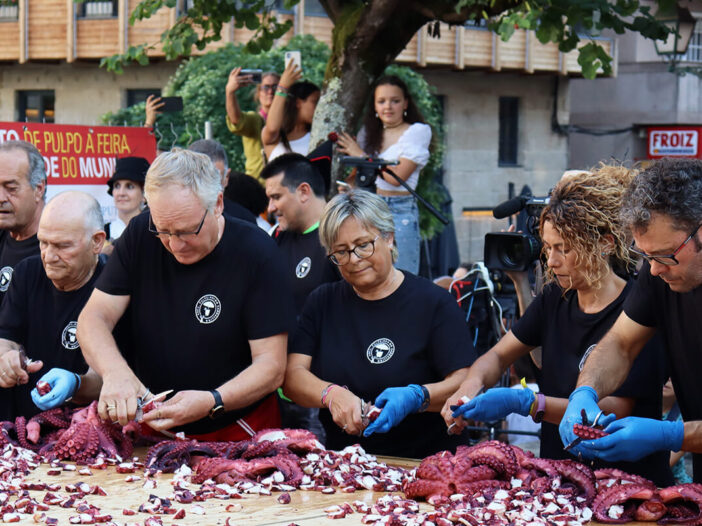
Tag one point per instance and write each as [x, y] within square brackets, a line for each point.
[368, 209]
[584, 209]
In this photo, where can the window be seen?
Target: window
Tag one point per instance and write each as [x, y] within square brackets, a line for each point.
[509, 131]
[694, 49]
[97, 9]
[314, 8]
[479, 23]
[35, 106]
[8, 10]
[135, 96]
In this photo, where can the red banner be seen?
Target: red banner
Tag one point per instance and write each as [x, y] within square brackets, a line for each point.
[81, 155]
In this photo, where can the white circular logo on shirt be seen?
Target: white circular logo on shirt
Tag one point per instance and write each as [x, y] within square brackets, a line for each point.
[68, 336]
[208, 308]
[303, 267]
[587, 353]
[380, 351]
[5, 278]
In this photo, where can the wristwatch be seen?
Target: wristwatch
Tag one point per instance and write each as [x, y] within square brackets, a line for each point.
[218, 407]
[540, 408]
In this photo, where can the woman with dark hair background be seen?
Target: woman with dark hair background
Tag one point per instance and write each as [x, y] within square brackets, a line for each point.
[287, 129]
[394, 130]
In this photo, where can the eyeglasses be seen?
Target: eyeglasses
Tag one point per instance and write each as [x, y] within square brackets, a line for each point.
[362, 251]
[269, 87]
[183, 236]
[668, 260]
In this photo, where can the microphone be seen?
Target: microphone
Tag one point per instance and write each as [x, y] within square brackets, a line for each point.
[509, 207]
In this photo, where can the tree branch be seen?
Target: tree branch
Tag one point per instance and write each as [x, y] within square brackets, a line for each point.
[333, 8]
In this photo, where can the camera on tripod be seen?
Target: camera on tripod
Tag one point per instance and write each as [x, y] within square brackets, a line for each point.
[367, 169]
[515, 250]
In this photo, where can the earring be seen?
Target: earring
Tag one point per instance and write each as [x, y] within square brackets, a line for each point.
[405, 113]
[376, 114]
[604, 254]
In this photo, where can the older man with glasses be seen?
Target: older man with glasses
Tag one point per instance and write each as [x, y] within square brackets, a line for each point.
[209, 310]
[663, 208]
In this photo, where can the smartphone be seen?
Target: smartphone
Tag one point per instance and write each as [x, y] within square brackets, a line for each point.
[172, 104]
[295, 57]
[256, 74]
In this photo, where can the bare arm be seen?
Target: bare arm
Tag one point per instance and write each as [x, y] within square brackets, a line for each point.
[486, 371]
[555, 407]
[90, 385]
[153, 107]
[610, 362]
[305, 389]
[403, 171]
[263, 376]
[120, 387]
[692, 440]
[234, 82]
[440, 391]
[270, 134]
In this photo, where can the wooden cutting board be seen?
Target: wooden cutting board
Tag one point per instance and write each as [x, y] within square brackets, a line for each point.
[306, 508]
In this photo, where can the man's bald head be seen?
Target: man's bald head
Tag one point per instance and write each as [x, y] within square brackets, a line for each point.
[70, 236]
[76, 207]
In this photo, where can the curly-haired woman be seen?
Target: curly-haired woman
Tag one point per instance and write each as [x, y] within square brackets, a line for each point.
[584, 243]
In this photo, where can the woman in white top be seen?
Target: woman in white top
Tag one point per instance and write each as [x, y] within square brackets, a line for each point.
[394, 130]
[287, 128]
[126, 186]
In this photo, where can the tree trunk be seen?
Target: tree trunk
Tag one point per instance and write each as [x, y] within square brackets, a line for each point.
[366, 39]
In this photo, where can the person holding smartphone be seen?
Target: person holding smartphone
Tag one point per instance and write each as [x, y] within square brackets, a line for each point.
[248, 124]
[287, 129]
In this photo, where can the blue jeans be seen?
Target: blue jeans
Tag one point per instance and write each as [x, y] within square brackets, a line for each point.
[406, 217]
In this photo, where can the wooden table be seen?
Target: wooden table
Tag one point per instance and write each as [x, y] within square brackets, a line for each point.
[306, 508]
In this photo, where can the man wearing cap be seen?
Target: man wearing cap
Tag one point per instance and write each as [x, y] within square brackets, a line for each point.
[41, 308]
[22, 193]
[210, 310]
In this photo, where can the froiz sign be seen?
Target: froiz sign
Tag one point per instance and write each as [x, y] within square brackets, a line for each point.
[673, 143]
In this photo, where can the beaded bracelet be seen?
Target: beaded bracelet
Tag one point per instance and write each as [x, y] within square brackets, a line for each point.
[282, 88]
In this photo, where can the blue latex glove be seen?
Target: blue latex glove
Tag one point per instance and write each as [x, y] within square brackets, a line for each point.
[632, 438]
[497, 403]
[396, 404]
[63, 384]
[584, 397]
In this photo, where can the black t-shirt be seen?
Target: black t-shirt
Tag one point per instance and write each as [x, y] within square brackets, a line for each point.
[191, 324]
[234, 209]
[43, 319]
[11, 253]
[307, 263]
[417, 335]
[676, 316]
[566, 335]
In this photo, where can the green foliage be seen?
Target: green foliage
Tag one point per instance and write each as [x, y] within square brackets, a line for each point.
[201, 82]
[202, 24]
[567, 22]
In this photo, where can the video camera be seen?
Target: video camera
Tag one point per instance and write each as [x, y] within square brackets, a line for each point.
[367, 169]
[516, 250]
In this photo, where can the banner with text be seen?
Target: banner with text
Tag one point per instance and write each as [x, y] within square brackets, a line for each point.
[82, 157]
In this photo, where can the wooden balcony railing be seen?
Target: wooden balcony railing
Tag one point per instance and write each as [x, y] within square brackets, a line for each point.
[37, 34]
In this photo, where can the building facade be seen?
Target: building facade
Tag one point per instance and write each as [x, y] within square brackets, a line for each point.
[500, 98]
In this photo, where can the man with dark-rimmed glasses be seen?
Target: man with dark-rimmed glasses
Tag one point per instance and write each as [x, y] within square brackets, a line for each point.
[663, 208]
[209, 311]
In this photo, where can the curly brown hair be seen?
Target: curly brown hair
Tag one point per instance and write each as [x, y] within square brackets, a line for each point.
[584, 210]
